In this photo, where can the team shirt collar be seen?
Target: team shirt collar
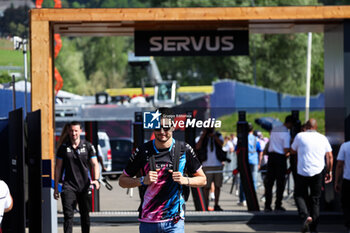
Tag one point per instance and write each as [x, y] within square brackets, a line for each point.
[155, 148]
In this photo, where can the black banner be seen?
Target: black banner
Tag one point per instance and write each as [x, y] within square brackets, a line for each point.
[243, 163]
[191, 43]
[34, 162]
[15, 221]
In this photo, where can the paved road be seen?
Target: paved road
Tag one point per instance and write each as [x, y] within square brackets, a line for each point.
[119, 200]
[213, 228]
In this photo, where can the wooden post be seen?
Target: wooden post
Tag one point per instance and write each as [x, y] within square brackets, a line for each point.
[41, 46]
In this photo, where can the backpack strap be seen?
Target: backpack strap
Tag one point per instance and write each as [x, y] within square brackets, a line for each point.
[178, 151]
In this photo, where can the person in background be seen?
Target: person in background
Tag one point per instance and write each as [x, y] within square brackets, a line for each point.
[262, 141]
[6, 201]
[103, 180]
[278, 150]
[342, 181]
[64, 137]
[75, 157]
[313, 149]
[100, 160]
[212, 156]
[234, 139]
[233, 163]
[229, 149]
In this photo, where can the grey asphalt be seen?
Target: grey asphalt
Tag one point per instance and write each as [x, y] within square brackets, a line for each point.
[118, 214]
[222, 227]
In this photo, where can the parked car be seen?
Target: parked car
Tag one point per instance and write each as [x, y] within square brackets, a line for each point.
[121, 152]
[103, 142]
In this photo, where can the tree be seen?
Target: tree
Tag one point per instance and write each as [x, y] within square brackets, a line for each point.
[14, 22]
[105, 54]
[71, 67]
[5, 77]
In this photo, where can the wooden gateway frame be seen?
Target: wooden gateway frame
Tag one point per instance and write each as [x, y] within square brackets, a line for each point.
[113, 22]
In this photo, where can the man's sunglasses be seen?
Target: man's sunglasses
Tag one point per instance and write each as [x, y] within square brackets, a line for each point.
[164, 128]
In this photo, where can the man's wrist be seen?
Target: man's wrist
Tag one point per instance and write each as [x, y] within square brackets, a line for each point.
[97, 180]
[142, 179]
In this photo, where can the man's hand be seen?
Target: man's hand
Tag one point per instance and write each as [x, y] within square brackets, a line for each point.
[56, 194]
[178, 178]
[328, 178]
[151, 177]
[96, 183]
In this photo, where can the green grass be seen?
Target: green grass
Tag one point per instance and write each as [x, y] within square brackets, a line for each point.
[6, 44]
[229, 122]
[11, 58]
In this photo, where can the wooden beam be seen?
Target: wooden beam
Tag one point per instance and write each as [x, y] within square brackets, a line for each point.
[193, 14]
[42, 82]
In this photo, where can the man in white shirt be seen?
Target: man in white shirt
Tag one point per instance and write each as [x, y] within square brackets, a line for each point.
[278, 152]
[6, 202]
[342, 180]
[312, 148]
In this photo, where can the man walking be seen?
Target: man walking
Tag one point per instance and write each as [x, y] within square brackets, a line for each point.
[74, 157]
[278, 151]
[311, 148]
[212, 156]
[342, 180]
[162, 205]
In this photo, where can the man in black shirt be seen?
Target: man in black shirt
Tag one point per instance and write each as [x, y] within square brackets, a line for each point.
[74, 158]
[163, 203]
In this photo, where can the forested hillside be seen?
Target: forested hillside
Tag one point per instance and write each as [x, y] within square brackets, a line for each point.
[92, 64]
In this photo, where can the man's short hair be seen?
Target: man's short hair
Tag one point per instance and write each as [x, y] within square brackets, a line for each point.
[75, 123]
[289, 119]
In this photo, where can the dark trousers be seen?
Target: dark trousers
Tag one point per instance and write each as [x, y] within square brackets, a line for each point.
[308, 203]
[69, 200]
[345, 194]
[276, 171]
